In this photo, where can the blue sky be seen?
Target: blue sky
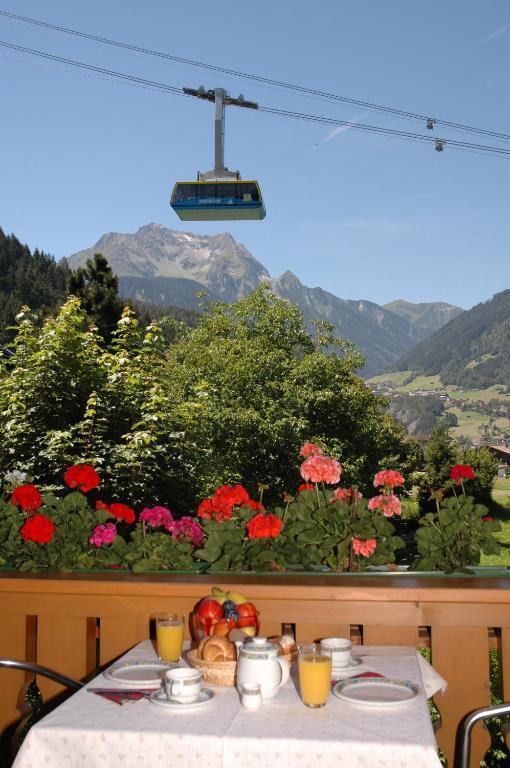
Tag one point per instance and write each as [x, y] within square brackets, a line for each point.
[361, 215]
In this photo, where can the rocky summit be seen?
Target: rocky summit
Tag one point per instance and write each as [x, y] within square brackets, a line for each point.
[166, 266]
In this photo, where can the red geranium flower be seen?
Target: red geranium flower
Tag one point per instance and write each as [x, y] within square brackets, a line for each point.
[306, 487]
[462, 472]
[27, 497]
[122, 512]
[222, 503]
[82, 476]
[264, 527]
[101, 505]
[38, 528]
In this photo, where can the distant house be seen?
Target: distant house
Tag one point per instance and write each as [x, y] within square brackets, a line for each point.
[501, 452]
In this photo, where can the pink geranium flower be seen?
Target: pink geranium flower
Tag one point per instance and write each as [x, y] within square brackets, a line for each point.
[103, 534]
[157, 517]
[389, 504]
[349, 495]
[310, 449]
[389, 478]
[364, 548]
[186, 529]
[321, 469]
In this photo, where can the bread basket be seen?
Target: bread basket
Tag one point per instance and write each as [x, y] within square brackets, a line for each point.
[214, 672]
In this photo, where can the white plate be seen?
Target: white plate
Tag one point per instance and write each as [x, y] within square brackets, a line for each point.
[138, 674]
[376, 691]
[352, 668]
[160, 698]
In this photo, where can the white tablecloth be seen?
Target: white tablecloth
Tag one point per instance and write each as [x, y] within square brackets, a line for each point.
[88, 731]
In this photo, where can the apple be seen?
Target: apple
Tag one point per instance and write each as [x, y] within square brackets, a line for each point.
[210, 609]
[246, 609]
[247, 621]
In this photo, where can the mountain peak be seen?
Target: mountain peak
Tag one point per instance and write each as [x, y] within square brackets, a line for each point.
[288, 279]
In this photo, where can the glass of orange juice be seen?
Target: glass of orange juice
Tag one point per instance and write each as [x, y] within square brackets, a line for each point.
[314, 667]
[169, 636]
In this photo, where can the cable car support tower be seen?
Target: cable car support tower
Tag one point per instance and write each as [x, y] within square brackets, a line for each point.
[218, 194]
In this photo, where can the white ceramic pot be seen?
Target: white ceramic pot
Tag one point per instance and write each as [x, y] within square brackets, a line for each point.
[258, 662]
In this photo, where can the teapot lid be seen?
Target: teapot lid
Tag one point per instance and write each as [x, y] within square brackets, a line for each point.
[259, 647]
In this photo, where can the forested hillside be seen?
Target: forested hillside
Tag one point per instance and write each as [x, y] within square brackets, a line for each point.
[35, 279]
[38, 281]
[472, 351]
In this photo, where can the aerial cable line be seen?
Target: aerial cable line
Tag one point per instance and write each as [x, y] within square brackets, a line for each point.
[93, 68]
[393, 111]
[123, 78]
[77, 72]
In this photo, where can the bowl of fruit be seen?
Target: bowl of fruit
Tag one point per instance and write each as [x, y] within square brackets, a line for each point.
[221, 612]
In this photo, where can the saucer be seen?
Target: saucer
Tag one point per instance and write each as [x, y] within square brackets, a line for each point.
[160, 699]
[352, 668]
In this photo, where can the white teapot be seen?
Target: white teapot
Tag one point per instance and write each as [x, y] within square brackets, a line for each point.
[258, 662]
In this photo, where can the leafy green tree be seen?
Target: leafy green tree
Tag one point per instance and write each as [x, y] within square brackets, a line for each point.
[97, 288]
[25, 278]
[231, 400]
[485, 466]
[252, 386]
[440, 454]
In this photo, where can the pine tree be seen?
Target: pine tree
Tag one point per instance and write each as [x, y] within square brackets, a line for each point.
[97, 288]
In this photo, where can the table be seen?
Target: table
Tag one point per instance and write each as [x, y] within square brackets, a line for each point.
[88, 731]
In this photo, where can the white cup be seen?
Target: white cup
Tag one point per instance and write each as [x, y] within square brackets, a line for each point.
[183, 684]
[251, 696]
[340, 650]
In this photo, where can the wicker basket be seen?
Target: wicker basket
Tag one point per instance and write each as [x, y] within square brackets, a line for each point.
[214, 672]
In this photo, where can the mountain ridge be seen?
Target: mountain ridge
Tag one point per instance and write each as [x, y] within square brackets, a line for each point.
[170, 266]
[473, 350]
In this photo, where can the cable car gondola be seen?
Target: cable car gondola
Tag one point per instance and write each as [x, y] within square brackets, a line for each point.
[217, 200]
[220, 194]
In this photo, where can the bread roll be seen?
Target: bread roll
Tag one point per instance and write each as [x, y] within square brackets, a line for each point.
[284, 643]
[217, 648]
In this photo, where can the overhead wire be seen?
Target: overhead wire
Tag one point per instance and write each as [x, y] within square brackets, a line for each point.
[121, 77]
[393, 111]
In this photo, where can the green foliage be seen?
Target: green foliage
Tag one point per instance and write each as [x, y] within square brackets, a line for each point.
[228, 548]
[26, 278]
[485, 466]
[150, 550]
[453, 537]
[67, 401]
[317, 531]
[232, 399]
[251, 387]
[440, 455]
[97, 288]
[69, 548]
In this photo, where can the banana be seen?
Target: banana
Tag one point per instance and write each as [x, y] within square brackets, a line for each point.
[219, 595]
[236, 598]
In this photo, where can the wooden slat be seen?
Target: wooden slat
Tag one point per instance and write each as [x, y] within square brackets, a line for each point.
[461, 656]
[61, 645]
[381, 635]
[270, 628]
[117, 635]
[12, 645]
[308, 633]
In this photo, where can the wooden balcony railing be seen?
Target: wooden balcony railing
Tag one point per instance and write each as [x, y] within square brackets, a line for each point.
[74, 622]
